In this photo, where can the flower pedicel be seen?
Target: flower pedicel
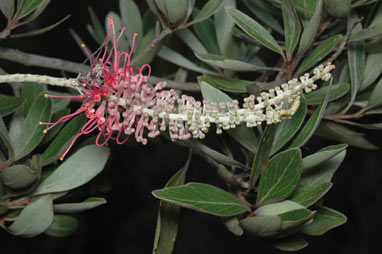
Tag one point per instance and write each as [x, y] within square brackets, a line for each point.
[118, 101]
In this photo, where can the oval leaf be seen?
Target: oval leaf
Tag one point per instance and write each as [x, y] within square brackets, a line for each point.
[203, 198]
[280, 177]
[208, 9]
[290, 243]
[18, 176]
[325, 219]
[35, 218]
[80, 168]
[322, 155]
[262, 226]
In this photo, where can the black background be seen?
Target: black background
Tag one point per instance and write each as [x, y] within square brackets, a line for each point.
[127, 223]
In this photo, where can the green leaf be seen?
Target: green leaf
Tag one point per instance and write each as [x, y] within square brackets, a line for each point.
[322, 155]
[368, 126]
[288, 128]
[280, 177]
[191, 40]
[34, 219]
[305, 10]
[148, 57]
[79, 169]
[223, 29]
[230, 64]
[319, 53]
[203, 198]
[376, 96]
[18, 176]
[176, 58]
[63, 140]
[9, 104]
[31, 131]
[254, 30]
[30, 91]
[356, 60]
[29, 6]
[259, 8]
[132, 20]
[62, 226]
[262, 226]
[325, 219]
[307, 195]
[341, 133]
[310, 30]
[337, 91]
[263, 153]
[313, 122]
[205, 30]
[365, 34]
[295, 218]
[167, 222]
[7, 7]
[243, 135]
[292, 27]
[363, 3]
[290, 243]
[372, 70]
[208, 9]
[87, 204]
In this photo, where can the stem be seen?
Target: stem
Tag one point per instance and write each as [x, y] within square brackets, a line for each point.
[59, 64]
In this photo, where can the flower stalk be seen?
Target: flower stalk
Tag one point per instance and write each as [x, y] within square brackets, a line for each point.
[119, 102]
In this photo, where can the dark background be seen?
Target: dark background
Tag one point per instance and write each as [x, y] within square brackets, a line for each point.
[127, 223]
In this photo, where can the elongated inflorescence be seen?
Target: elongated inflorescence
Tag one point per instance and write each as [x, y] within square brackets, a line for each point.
[119, 102]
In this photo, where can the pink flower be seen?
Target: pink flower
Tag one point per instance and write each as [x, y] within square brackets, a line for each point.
[115, 95]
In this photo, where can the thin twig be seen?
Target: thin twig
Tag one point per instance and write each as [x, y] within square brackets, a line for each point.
[59, 64]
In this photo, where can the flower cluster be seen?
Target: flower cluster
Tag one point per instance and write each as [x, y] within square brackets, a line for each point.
[119, 102]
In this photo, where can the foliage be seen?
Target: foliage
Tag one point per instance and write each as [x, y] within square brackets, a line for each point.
[276, 192]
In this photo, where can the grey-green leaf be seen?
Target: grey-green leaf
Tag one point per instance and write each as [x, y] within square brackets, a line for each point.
[167, 222]
[62, 226]
[292, 27]
[372, 70]
[77, 170]
[9, 104]
[339, 133]
[310, 30]
[367, 33]
[207, 10]
[322, 155]
[262, 226]
[176, 58]
[35, 218]
[230, 64]
[31, 131]
[132, 20]
[308, 195]
[224, 27]
[87, 204]
[325, 219]
[203, 198]
[337, 91]
[321, 51]
[30, 91]
[18, 176]
[256, 31]
[7, 7]
[277, 208]
[191, 41]
[376, 96]
[280, 177]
